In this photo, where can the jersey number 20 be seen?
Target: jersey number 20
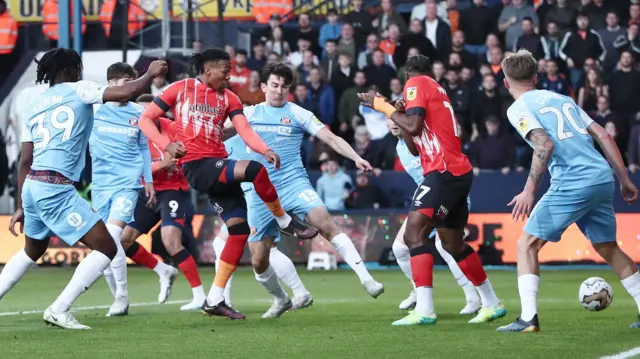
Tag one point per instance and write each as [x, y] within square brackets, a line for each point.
[560, 116]
[61, 118]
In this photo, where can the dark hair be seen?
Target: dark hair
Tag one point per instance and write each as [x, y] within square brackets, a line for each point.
[331, 40]
[527, 18]
[120, 70]
[213, 54]
[301, 84]
[332, 12]
[55, 61]
[582, 14]
[418, 64]
[146, 98]
[279, 69]
[242, 52]
[377, 49]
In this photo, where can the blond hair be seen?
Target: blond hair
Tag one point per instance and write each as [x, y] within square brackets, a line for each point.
[521, 66]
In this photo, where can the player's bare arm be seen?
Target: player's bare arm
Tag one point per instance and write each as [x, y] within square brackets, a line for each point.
[343, 148]
[24, 165]
[228, 130]
[149, 126]
[251, 138]
[129, 89]
[542, 150]
[411, 146]
[612, 153]
[411, 124]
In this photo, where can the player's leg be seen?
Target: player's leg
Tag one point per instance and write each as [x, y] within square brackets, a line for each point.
[286, 272]
[218, 245]
[320, 218]
[401, 252]
[101, 202]
[254, 172]
[473, 303]
[260, 247]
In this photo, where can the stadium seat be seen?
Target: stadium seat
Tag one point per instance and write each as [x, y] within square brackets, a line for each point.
[322, 260]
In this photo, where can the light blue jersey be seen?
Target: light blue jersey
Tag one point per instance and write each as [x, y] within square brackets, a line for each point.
[282, 129]
[120, 158]
[59, 125]
[582, 184]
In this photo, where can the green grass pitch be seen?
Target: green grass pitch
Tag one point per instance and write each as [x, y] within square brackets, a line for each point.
[344, 321]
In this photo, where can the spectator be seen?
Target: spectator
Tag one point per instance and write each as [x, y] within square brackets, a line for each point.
[579, 45]
[252, 93]
[495, 64]
[485, 103]
[367, 195]
[612, 130]
[342, 78]
[402, 71]
[295, 58]
[415, 38]
[330, 30]
[543, 8]
[362, 22]
[634, 15]
[564, 15]
[455, 62]
[438, 72]
[239, 71]
[334, 186]
[305, 31]
[492, 42]
[320, 154]
[553, 81]
[347, 43]
[330, 59]
[371, 151]
[306, 66]
[321, 94]
[273, 58]
[388, 17]
[396, 89]
[624, 86]
[529, 40]
[158, 85]
[438, 32]
[302, 99]
[603, 113]
[277, 43]
[613, 38]
[631, 41]
[375, 122]
[493, 151]
[259, 57]
[597, 12]
[266, 33]
[589, 93]
[551, 42]
[388, 45]
[459, 95]
[379, 73]
[476, 23]
[458, 46]
[349, 105]
[231, 51]
[419, 12]
[511, 18]
[364, 57]
[453, 14]
[634, 146]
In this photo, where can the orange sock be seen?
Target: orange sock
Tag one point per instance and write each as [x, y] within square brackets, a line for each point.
[224, 272]
[229, 258]
[276, 208]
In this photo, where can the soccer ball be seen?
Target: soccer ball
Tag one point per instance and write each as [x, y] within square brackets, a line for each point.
[595, 294]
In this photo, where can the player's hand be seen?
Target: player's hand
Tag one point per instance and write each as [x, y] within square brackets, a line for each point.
[400, 105]
[628, 190]
[150, 192]
[367, 99]
[168, 163]
[272, 158]
[522, 205]
[176, 149]
[363, 164]
[17, 217]
[157, 68]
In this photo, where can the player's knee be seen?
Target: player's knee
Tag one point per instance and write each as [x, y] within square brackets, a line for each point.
[254, 170]
[528, 243]
[35, 249]
[107, 247]
[172, 245]
[606, 250]
[127, 238]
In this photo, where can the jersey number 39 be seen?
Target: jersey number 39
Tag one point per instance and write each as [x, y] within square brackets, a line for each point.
[61, 118]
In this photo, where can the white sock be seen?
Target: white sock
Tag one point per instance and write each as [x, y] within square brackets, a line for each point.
[468, 288]
[348, 252]
[632, 285]
[286, 272]
[15, 268]
[488, 297]
[528, 289]
[198, 293]
[218, 246]
[269, 281]
[161, 267]
[111, 281]
[119, 262]
[283, 221]
[401, 252]
[216, 295]
[87, 272]
[424, 303]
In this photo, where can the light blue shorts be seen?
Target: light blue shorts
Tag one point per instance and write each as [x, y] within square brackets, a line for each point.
[116, 204]
[591, 208]
[56, 209]
[299, 198]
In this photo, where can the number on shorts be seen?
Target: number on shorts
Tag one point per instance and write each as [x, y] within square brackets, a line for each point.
[64, 124]
[174, 206]
[560, 116]
[423, 191]
[308, 195]
[123, 205]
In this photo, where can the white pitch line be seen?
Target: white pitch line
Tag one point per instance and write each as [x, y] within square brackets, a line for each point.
[95, 307]
[624, 355]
